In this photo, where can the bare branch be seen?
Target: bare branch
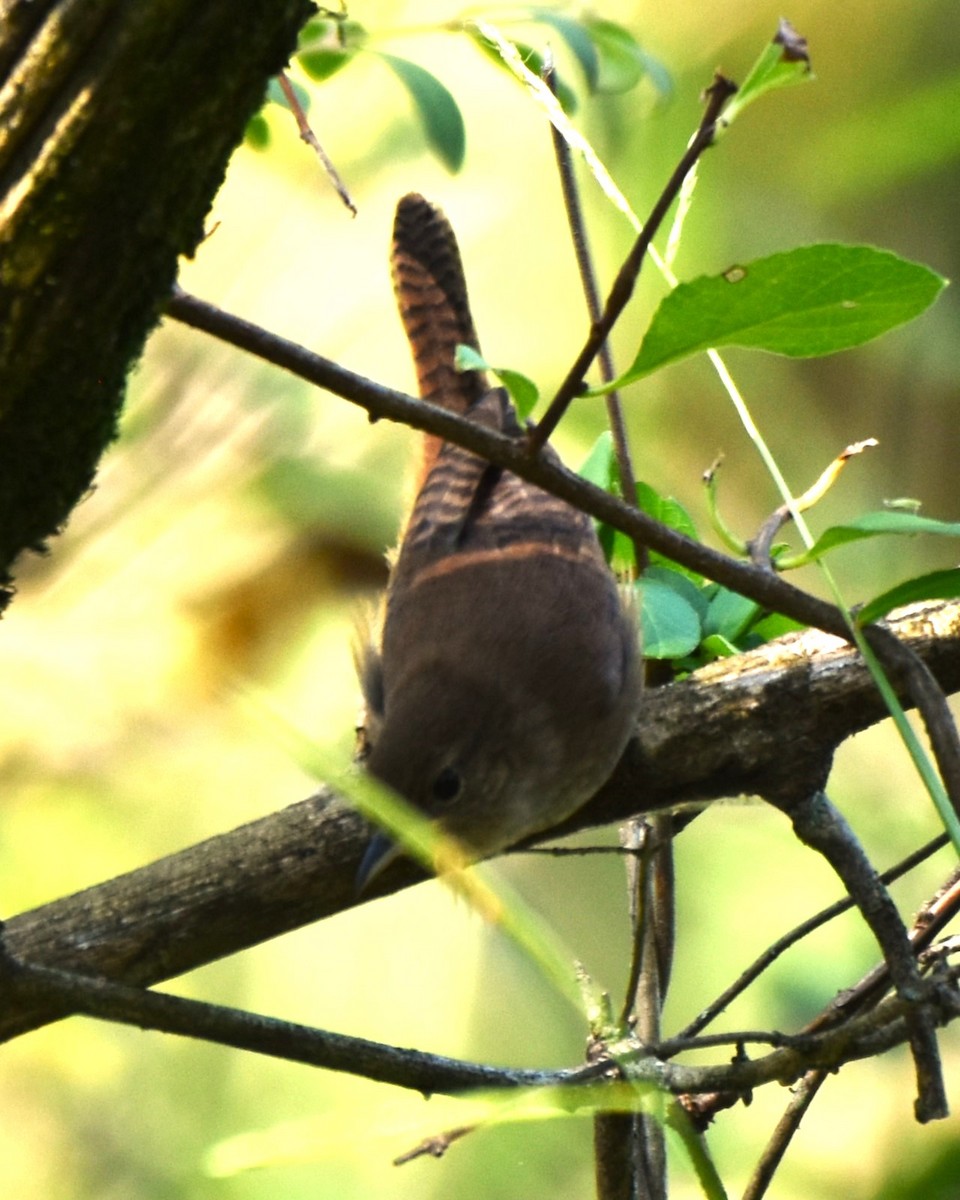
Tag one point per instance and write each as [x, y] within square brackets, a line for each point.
[818, 824]
[887, 1026]
[767, 589]
[717, 94]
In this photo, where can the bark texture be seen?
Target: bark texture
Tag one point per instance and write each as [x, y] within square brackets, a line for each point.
[117, 121]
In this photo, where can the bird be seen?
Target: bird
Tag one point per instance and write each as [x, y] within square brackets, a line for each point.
[505, 685]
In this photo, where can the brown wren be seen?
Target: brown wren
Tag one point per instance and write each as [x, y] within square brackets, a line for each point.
[506, 683]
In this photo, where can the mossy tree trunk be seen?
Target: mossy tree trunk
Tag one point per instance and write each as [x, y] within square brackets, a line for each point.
[117, 121]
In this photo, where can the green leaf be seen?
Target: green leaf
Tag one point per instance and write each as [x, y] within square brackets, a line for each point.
[875, 524]
[600, 469]
[670, 624]
[669, 512]
[327, 44]
[665, 509]
[657, 73]
[523, 391]
[772, 626]
[783, 62]
[600, 465]
[715, 645]
[938, 585]
[621, 62]
[532, 59]
[468, 358]
[730, 615]
[618, 548]
[810, 301]
[697, 597]
[436, 109]
[321, 64]
[578, 39]
[257, 133]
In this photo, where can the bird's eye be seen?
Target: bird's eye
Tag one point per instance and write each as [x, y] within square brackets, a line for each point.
[447, 785]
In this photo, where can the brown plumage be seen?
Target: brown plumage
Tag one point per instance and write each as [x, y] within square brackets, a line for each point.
[506, 684]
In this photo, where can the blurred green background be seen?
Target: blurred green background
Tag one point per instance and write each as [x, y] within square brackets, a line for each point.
[238, 527]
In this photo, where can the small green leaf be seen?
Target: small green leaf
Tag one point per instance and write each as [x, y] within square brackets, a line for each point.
[784, 61]
[257, 133]
[621, 62]
[665, 509]
[578, 39]
[322, 63]
[730, 614]
[600, 465]
[772, 626]
[620, 551]
[686, 588]
[671, 625]
[669, 512]
[326, 44]
[715, 645]
[436, 108]
[532, 59]
[468, 358]
[657, 73]
[618, 548]
[875, 524]
[938, 585]
[523, 391]
[810, 301]
[600, 469]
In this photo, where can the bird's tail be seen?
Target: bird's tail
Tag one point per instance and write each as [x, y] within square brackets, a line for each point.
[432, 297]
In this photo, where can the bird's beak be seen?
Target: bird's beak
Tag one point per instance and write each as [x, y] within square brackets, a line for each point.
[381, 851]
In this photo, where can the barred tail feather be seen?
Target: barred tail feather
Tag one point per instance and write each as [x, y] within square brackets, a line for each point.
[432, 297]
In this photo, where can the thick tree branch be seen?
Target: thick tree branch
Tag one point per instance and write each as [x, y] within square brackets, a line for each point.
[715, 734]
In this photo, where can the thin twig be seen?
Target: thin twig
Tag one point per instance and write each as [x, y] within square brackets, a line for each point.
[782, 944]
[931, 918]
[804, 1093]
[307, 135]
[717, 94]
[819, 825]
[761, 544]
[591, 293]
[861, 1037]
[644, 993]
[149, 1009]
[629, 1149]
[767, 589]
[436, 1146]
[738, 1038]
